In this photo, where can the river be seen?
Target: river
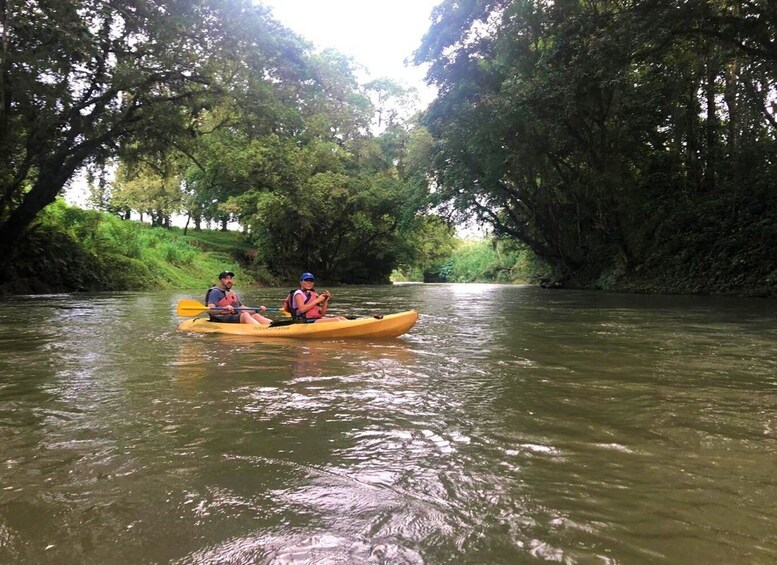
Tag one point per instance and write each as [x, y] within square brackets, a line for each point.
[510, 425]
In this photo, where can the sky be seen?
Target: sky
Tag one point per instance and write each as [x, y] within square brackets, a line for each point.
[378, 34]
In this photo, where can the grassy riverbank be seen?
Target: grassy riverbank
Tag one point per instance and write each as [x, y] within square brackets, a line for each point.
[70, 249]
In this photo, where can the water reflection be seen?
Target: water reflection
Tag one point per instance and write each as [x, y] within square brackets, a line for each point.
[298, 393]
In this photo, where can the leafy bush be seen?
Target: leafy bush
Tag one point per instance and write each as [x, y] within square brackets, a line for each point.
[487, 260]
[176, 252]
[120, 236]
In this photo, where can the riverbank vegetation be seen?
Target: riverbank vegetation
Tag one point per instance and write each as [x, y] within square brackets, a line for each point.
[607, 145]
[481, 260]
[70, 249]
[630, 145]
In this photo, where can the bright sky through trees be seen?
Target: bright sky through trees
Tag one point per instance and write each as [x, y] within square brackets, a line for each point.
[380, 35]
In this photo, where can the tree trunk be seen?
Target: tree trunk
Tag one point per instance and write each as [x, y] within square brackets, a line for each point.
[51, 179]
[712, 129]
[12, 230]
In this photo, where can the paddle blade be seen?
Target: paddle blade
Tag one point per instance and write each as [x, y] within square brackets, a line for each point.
[190, 308]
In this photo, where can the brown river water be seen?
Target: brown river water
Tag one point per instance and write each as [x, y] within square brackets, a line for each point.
[510, 425]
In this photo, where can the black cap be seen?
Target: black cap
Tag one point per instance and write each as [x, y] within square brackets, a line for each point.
[224, 274]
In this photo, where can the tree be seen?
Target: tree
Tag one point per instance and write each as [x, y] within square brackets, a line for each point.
[79, 79]
[338, 223]
[152, 187]
[333, 107]
[608, 136]
[393, 103]
[322, 195]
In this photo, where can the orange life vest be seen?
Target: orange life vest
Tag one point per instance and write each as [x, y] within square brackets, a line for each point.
[290, 305]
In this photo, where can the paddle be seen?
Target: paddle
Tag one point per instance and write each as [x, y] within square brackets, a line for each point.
[289, 322]
[192, 308]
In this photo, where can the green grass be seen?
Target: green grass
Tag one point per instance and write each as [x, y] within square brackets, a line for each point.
[214, 239]
[69, 249]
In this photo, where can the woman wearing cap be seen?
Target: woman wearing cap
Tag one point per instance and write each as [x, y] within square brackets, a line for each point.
[222, 296]
[306, 304]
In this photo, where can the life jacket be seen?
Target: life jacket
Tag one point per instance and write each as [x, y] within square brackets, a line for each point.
[228, 298]
[290, 306]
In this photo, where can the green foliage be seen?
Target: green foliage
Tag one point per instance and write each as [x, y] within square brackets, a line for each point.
[487, 260]
[81, 79]
[70, 249]
[149, 186]
[228, 242]
[340, 227]
[235, 120]
[629, 145]
[122, 235]
[118, 272]
[617, 140]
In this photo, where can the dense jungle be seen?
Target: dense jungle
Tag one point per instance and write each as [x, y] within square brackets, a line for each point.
[627, 146]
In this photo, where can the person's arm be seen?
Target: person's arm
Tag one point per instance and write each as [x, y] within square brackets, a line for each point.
[325, 303]
[302, 308]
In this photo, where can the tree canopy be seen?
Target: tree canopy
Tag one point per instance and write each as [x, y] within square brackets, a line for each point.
[611, 137]
[81, 78]
[212, 109]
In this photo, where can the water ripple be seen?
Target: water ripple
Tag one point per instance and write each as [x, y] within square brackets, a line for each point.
[523, 426]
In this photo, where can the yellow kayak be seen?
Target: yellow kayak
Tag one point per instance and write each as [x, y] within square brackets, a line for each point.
[390, 325]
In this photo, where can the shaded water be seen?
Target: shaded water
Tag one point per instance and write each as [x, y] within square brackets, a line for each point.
[510, 425]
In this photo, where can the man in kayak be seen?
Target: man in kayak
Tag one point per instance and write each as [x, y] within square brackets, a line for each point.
[306, 304]
[222, 296]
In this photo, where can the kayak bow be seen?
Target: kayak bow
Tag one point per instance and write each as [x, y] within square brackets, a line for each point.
[391, 325]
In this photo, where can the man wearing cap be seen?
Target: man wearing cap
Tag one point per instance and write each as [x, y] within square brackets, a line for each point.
[221, 296]
[306, 304]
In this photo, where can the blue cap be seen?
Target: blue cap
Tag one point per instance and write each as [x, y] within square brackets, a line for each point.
[307, 277]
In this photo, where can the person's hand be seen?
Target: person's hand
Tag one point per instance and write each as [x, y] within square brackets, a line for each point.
[263, 308]
[230, 308]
